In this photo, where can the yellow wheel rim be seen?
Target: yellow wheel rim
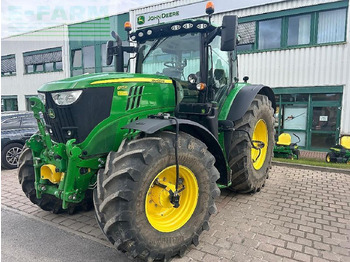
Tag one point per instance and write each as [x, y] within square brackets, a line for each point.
[328, 159]
[159, 211]
[260, 134]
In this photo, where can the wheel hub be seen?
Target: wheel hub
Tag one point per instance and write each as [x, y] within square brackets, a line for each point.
[160, 195]
[12, 155]
[260, 134]
[161, 209]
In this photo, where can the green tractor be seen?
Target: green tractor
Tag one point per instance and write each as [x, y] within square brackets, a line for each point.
[150, 150]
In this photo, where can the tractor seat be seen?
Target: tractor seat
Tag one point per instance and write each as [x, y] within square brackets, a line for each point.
[284, 139]
[345, 142]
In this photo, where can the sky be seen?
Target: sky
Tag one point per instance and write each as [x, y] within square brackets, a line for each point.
[22, 16]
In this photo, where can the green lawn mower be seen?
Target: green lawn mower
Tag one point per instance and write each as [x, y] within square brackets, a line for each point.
[284, 147]
[340, 153]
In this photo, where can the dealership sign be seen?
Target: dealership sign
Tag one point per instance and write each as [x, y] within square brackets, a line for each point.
[193, 10]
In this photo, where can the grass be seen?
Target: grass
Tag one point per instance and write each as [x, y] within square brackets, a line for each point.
[313, 162]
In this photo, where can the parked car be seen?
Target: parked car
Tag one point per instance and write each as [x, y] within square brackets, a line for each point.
[16, 128]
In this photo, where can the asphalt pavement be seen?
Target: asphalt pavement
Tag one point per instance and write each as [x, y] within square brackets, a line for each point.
[26, 239]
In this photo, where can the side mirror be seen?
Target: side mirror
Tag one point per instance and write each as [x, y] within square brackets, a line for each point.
[109, 52]
[110, 47]
[229, 33]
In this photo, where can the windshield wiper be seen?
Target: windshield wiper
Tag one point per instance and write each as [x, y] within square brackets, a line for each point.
[155, 44]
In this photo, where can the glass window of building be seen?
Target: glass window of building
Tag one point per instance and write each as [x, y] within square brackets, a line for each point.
[49, 67]
[299, 28]
[246, 35]
[8, 65]
[9, 103]
[270, 33]
[89, 59]
[37, 61]
[77, 58]
[331, 26]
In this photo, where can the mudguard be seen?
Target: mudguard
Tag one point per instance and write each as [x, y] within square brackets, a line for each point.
[152, 125]
[245, 97]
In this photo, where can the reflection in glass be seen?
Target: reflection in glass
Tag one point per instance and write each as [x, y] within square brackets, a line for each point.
[331, 26]
[324, 118]
[49, 67]
[325, 97]
[322, 140]
[59, 65]
[299, 30]
[270, 33]
[77, 59]
[89, 56]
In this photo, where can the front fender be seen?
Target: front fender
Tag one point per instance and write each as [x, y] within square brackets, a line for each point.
[152, 125]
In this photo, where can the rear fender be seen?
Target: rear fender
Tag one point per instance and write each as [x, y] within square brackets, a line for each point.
[245, 97]
[151, 125]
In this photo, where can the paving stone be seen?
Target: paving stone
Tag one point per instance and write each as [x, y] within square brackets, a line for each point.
[300, 215]
[283, 252]
[301, 257]
[294, 246]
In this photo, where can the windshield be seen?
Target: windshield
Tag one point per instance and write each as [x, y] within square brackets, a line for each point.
[174, 56]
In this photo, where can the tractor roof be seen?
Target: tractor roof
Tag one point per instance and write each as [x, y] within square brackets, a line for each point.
[170, 29]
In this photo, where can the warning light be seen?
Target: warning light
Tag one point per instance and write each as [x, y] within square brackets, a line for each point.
[209, 8]
[127, 26]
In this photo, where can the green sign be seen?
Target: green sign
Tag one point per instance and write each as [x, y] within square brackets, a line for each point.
[141, 20]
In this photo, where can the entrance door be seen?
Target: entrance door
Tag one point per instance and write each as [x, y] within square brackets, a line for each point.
[324, 126]
[295, 122]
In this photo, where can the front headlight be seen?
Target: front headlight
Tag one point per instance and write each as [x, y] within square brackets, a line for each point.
[66, 98]
[42, 98]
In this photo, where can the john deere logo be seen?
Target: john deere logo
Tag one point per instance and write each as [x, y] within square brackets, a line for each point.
[141, 20]
[51, 113]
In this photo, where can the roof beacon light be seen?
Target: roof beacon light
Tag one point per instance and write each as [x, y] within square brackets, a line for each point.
[209, 8]
[127, 26]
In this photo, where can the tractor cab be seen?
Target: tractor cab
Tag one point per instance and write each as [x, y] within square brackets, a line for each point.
[197, 56]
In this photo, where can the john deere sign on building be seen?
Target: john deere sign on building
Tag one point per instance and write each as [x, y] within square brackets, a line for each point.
[193, 10]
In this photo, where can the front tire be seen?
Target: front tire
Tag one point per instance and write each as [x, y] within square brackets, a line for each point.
[249, 168]
[26, 177]
[136, 214]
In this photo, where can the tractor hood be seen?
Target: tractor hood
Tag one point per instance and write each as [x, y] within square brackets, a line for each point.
[102, 79]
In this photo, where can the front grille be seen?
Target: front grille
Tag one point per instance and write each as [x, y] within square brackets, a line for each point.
[78, 119]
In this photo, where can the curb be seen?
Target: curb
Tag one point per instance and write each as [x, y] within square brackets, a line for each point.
[317, 168]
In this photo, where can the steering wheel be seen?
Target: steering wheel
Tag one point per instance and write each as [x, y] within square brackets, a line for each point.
[170, 64]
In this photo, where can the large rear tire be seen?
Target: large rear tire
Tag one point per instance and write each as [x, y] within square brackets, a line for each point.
[26, 177]
[136, 214]
[249, 168]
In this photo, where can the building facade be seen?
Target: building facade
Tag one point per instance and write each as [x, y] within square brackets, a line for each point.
[32, 59]
[300, 48]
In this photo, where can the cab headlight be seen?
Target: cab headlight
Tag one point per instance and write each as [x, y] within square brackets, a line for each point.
[42, 98]
[66, 98]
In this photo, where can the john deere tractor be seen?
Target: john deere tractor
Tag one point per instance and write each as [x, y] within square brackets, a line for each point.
[151, 149]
